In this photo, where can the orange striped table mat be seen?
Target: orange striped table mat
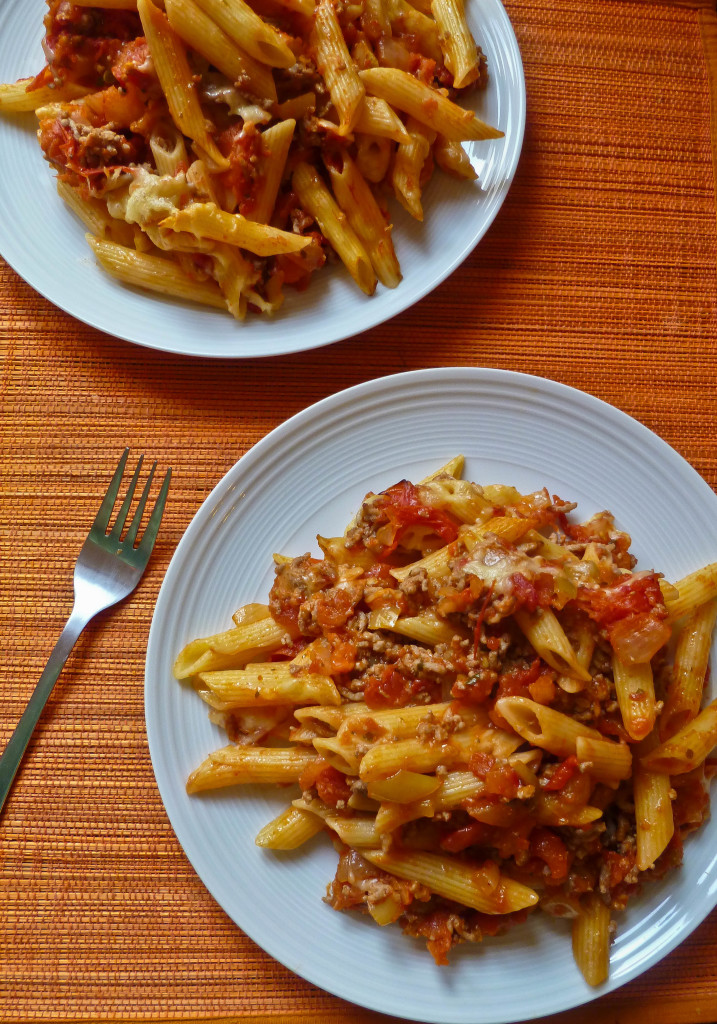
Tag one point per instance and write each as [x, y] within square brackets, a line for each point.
[600, 272]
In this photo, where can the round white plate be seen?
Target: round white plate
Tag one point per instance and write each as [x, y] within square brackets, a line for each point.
[45, 243]
[308, 476]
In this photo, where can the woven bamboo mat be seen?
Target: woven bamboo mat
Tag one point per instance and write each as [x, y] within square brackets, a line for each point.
[600, 272]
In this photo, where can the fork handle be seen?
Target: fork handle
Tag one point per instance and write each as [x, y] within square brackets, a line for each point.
[17, 744]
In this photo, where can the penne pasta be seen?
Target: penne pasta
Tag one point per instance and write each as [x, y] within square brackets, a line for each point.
[19, 98]
[377, 118]
[366, 218]
[456, 41]
[276, 142]
[635, 692]
[543, 726]
[548, 639]
[316, 198]
[653, 808]
[289, 830]
[692, 653]
[154, 273]
[229, 649]
[336, 66]
[205, 220]
[250, 33]
[169, 56]
[688, 748]
[265, 683]
[692, 591]
[488, 892]
[591, 939]
[408, 165]
[232, 766]
[432, 109]
[199, 30]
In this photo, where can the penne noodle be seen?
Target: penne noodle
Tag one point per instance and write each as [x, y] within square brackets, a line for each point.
[289, 830]
[296, 107]
[548, 639]
[453, 159]
[199, 31]
[205, 220]
[383, 759]
[604, 760]
[688, 748]
[169, 57]
[368, 221]
[168, 150]
[373, 156]
[488, 892]
[375, 19]
[653, 808]
[426, 629]
[543, 726]
[692, 653]
[231, 766]
[427, 105]
[336, 66]
[397, 723]
[377, 118]
[318, 201]
[408, 20]
[95, 216]
[408, 166]
[456, 41]
[265, 683]
[404, 787]
[591, 938]
[693, 590]
[275, 141]
[635, 691]
[338, 754]
[452, 468]
[154, 273]
[230, 649]
[253, 35]
[17, 98]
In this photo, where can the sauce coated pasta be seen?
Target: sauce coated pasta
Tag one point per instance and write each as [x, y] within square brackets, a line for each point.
[218, 151]
[483, 702]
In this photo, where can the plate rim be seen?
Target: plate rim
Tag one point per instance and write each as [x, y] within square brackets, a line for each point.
[334, 403]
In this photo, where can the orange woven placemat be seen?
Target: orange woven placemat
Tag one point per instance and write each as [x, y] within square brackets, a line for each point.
[600, 272]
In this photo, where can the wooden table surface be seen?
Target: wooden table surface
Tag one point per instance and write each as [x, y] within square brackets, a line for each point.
[599, 272]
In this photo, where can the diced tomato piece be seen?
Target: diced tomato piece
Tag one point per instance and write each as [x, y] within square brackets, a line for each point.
[562, 774]
[343, 653]
[332, 787]
[543, 689]
[468, 835]
[532, 594]
[551, 849]
[637, 593]
[403, 509]
[637, 638]
[392, 689]
[480, 763]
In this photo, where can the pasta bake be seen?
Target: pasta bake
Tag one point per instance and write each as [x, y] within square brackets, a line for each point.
[483, 702]
[218, 152]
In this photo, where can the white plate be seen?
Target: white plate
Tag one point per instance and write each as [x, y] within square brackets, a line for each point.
[307, 477]
[45, 243]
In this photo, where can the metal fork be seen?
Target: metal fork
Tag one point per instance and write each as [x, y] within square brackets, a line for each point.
[108, 569]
